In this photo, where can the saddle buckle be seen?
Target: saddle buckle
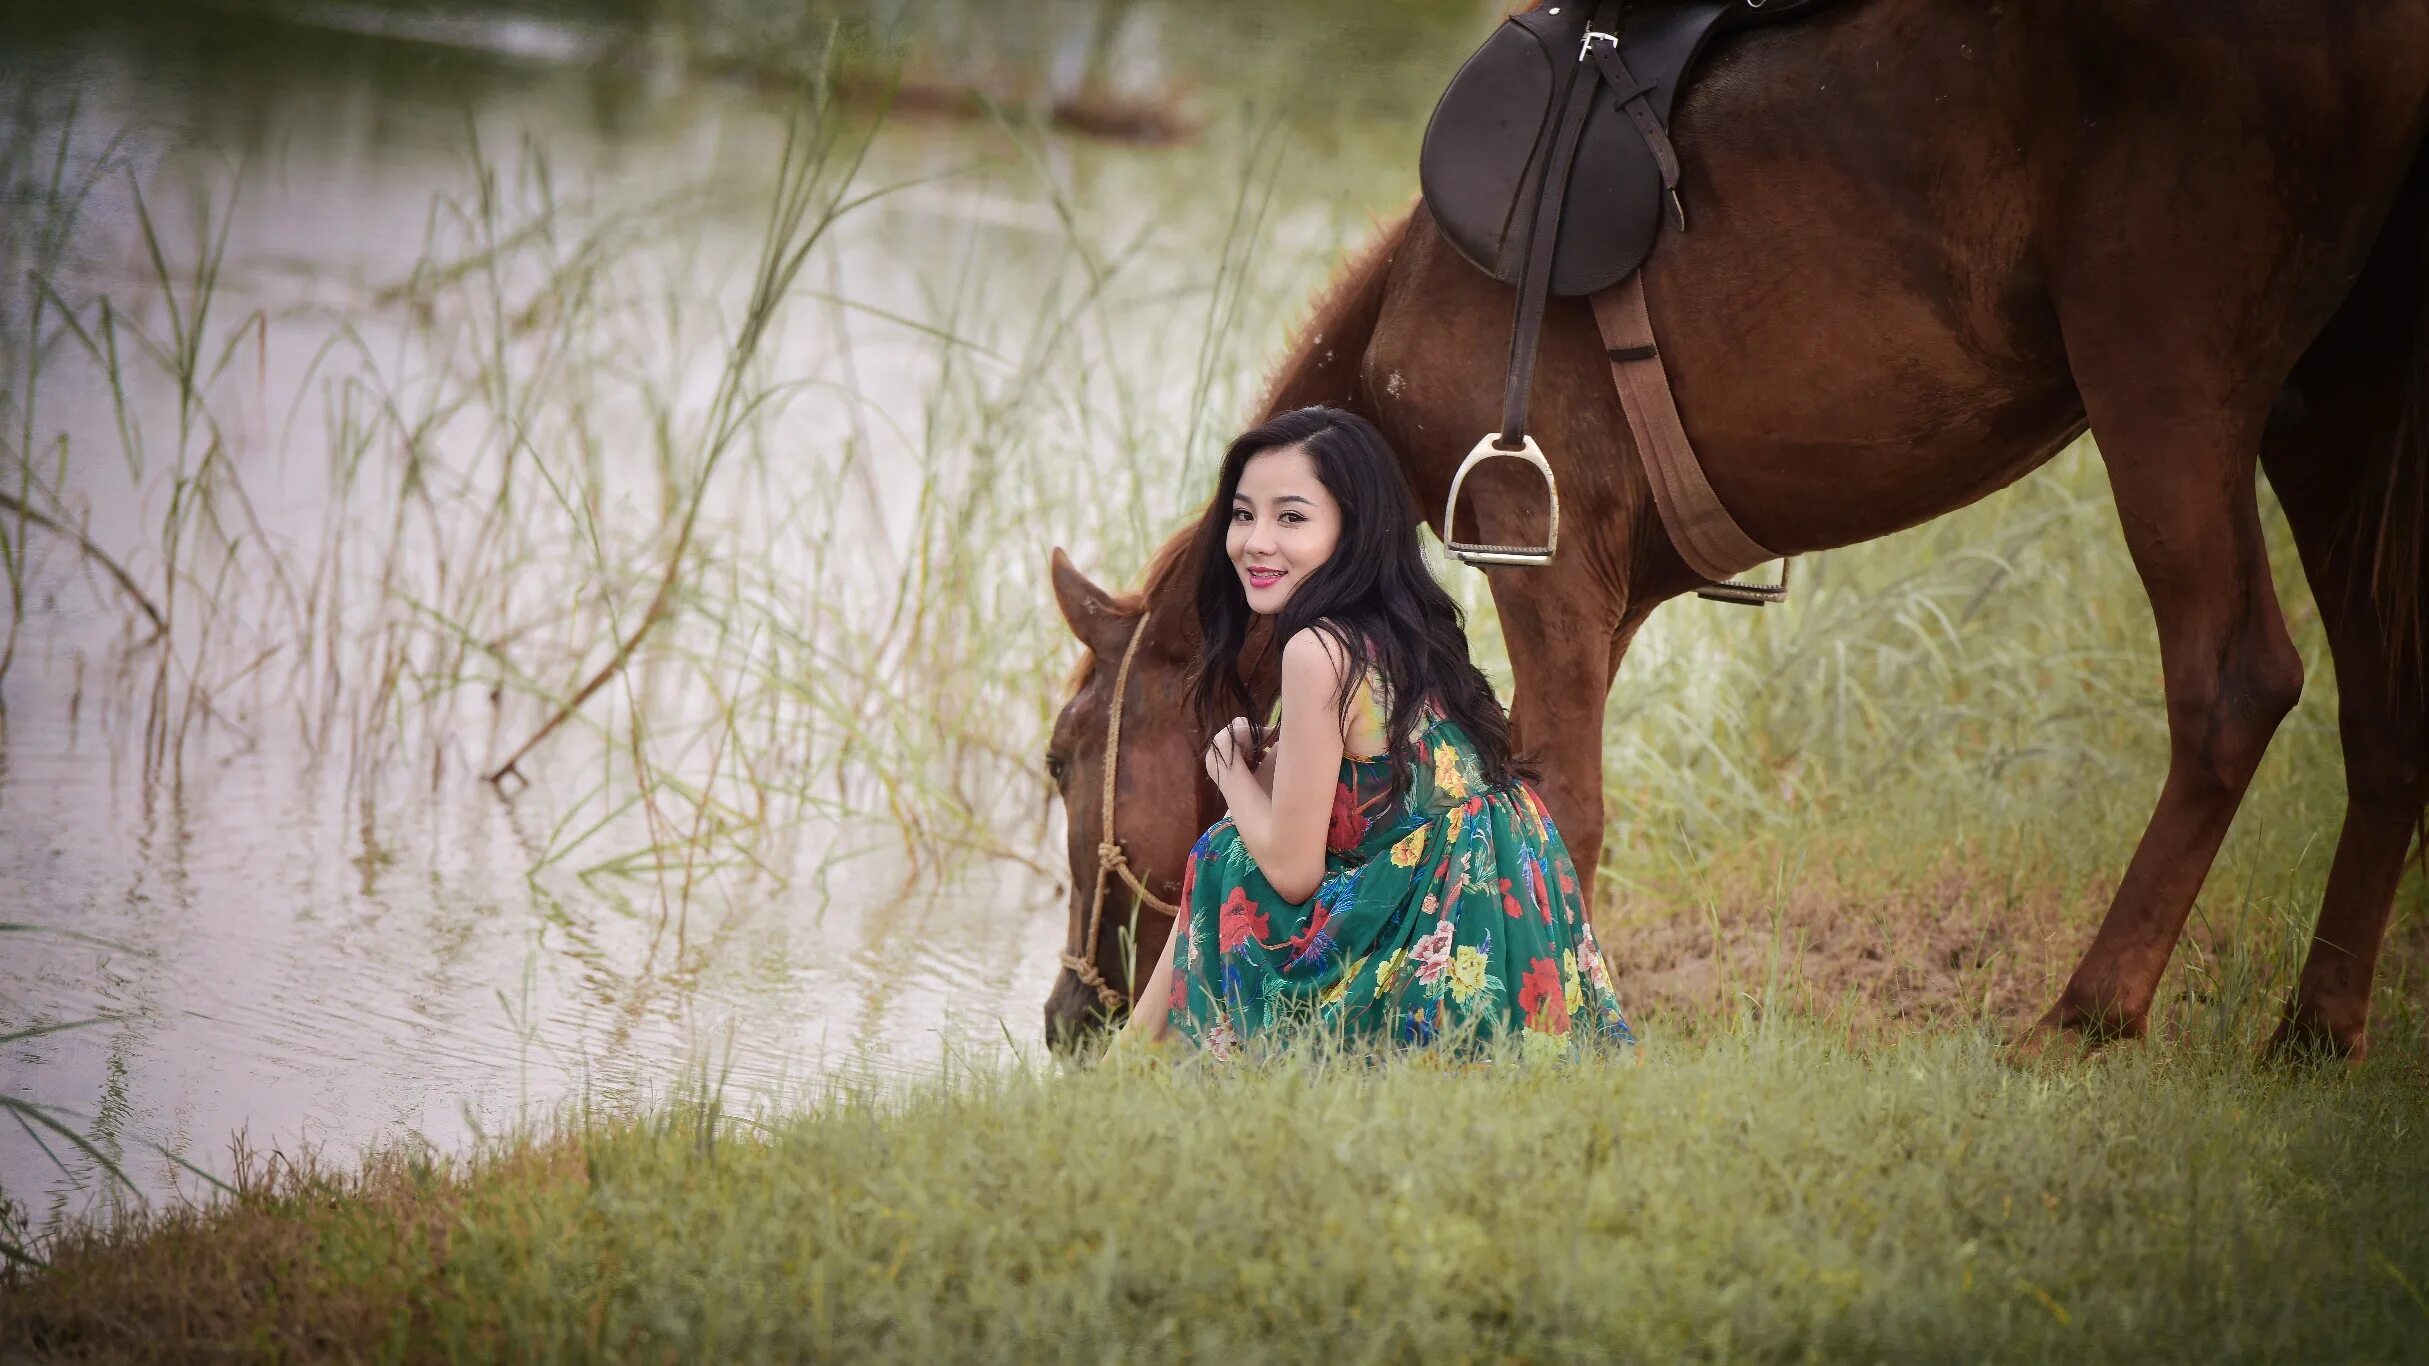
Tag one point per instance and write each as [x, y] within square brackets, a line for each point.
[1585, 45]
[1481, 553]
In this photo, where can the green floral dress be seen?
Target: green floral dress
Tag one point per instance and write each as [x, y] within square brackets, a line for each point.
[1454, 912]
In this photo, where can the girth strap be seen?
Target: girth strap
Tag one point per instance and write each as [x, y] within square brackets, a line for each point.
[1535, 284]
[1707, 537]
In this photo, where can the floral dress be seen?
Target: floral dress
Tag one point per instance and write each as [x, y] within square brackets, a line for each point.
[1454, 912]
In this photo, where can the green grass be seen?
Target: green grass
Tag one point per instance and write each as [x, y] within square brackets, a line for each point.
[1752, 1192]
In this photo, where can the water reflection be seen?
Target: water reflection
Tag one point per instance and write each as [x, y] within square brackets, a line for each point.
[305, 916]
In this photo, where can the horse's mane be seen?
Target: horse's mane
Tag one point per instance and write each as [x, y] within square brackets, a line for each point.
[1346, 304]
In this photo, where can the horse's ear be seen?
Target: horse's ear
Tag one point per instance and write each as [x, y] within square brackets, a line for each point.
[1090, 611]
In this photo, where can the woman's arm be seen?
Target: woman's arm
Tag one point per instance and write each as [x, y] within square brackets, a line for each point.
[1150, 1011]
[1284, 829]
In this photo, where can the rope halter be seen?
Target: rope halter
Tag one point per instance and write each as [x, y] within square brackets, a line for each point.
[1109, 856]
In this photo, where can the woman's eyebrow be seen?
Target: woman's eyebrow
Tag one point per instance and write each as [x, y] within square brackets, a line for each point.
[1295, 498]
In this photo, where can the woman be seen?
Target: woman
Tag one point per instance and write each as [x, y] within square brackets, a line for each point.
[1386, 871]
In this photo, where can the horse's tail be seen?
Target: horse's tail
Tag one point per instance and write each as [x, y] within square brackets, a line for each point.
[1328, 353]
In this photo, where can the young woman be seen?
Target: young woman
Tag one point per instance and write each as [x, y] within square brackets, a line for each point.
[1386, 872]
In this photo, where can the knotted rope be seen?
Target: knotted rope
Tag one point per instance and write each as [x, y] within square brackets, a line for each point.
[1109, 855]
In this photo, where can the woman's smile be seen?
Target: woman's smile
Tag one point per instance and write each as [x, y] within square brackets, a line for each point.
[1263, 576]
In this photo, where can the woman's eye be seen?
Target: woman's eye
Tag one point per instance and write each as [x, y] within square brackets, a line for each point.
[1239, 514]
[1293, 517]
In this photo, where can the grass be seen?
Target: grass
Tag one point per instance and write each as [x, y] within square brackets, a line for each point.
[1757, 1191]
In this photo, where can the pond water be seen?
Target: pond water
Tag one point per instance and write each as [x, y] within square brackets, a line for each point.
[461, 369]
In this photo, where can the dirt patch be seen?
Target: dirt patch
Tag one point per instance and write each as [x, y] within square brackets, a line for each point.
[1958, 946]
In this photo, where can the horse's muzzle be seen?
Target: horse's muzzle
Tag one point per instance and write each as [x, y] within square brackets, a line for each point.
[1073, 1013]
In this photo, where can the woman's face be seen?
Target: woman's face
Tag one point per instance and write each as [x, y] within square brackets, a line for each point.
[1284, 523]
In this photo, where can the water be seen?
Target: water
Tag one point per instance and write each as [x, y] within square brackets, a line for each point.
[271, 872]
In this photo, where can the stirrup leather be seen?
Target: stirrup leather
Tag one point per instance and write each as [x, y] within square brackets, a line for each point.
[1467, 552]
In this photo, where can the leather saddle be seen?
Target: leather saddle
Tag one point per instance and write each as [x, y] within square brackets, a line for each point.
[1493, 133]
[1548, 165]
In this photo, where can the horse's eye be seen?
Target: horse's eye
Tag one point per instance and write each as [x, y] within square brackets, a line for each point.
[1056, 765]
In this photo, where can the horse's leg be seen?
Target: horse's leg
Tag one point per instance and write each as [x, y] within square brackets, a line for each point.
[2319, 471]
[1565, 639]
[2183, 476]
[2182, 317]
[2337, 470]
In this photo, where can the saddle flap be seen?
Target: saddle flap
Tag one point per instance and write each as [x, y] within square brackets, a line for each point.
[1492, 131]
[1490, 137]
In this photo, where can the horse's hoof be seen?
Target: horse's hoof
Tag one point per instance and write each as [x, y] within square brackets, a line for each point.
[2306, 1037]
[2046, 1044]
[2061, 1036]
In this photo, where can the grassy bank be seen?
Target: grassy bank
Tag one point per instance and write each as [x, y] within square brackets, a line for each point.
[1760, 1192]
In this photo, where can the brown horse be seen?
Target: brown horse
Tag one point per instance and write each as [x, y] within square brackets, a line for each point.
[1932, 241]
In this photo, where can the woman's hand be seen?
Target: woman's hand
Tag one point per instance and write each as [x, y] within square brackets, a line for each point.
[1233, 749]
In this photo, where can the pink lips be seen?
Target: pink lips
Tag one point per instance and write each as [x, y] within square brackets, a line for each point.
[1264, 578]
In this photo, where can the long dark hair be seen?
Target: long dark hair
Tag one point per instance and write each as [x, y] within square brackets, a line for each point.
[1374, 596]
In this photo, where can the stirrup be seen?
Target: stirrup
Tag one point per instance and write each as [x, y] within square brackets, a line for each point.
[1750, 594]
[1478, 553]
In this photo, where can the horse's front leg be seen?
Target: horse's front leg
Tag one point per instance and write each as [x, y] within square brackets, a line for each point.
[1566, 629]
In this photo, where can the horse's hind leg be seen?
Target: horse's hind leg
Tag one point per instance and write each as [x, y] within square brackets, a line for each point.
[2379, 718]
[2184, 484]
[2190, 270]
[2176, 402]
[2329, 461]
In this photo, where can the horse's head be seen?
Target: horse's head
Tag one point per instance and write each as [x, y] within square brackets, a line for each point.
[1136, 671]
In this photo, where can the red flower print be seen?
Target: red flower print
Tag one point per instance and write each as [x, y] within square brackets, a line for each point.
[1543, 895]
[1540, 996]
[1241, 920]
[1298, 944]
[1509, 903]
[1348, 826]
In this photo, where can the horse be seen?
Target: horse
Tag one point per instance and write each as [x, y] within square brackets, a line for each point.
[1933, 242]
